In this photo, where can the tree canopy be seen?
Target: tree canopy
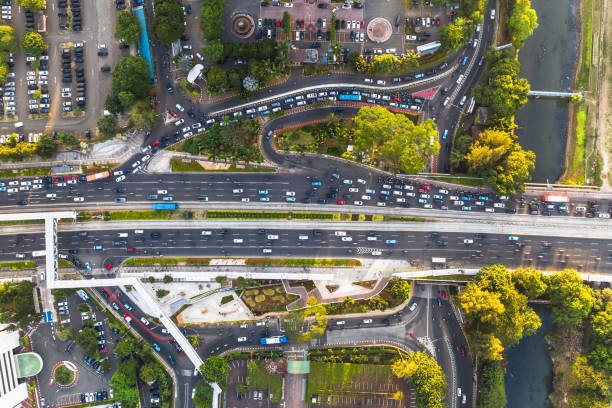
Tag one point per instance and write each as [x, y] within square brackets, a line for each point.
[574, 300]
[142, 116]
[215, 370]
[16, 304]
[33, 43]
[32, 5]
[87, 338]
[203, 394]
[127, 29]
[504, 165]
[212, 19]
[107, 125]
[168, 23]
[425, 376]
[456, 33]
[295, 325]
[522, 21]
[399, 288]
[213, 51]
[496, 313]
[131, 74]
[393, 138]
[47, 146]
[8, 41]
[591, 388]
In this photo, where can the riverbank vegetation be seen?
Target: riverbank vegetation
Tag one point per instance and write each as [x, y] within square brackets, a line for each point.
[494, 153]
[497, 316]
[376, 136]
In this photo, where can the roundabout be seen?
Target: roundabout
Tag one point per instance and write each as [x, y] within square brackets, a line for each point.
[65, 374]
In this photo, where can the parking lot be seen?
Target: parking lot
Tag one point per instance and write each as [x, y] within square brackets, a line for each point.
[53, 350]
[247, 399]
[67, 24]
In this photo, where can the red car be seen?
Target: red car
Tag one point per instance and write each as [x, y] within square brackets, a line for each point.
[427, 187]
[453, 13]
[443, 295]
[437, 21]
[396, 99]
[421, 190]
[362, 24]
[109, 266]
[130, 249]
[278, 24]
[174, 115]
[462, 352]
[340, 202]
[155, 143]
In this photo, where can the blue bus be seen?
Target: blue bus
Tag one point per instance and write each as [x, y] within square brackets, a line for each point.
[349, 97]
[164, 206]
[273, 340]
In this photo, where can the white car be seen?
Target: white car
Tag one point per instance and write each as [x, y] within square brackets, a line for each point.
[12, 190]
[145, 158]
[26, 183]
[358, 202]
[162, 191]
[13, 183]
[196, 125]
[180, 107]
[353, 190]
[66, 90]
[290, 193]
[120, 179]
[186, 129]
[179, 122]
[366, 197]
[347, 239]
[361, 181]
[367, 321]
[24, 188]
[188, 134]
[245, 199]
[240, 340]
[66, 94]
[79, 199]
[468, 241]
[136, 164]
[61, 184]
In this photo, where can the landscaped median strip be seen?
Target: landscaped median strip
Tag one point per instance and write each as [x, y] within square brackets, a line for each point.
[237, 215]
[247, 261]
[15, 266]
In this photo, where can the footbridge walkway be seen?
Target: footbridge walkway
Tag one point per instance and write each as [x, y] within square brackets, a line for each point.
[550, 94]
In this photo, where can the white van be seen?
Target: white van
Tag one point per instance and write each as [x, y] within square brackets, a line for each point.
[460, 79]
[206, 232]
[462, 102]
[303, 237]
[297, 36]
[144, 321]
[123, 235]
[270, 236]
[340, 233]
[138, 231]
[604, 215]
[493, 14]
[238, 240]
[475, 43]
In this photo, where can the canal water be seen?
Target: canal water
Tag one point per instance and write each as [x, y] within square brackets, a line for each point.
[548, 61]
[529, 371]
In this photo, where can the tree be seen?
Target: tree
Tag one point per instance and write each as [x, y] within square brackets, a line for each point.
[491, 389]
[33, 43]
[8, 41]
[455, 34]
[107, 125]
[123, 390]
[522, 21]
[143, 116]
[88, 340]
[168, 278]
[214, 51]
[286, 23]
[393, 138]
[47, 146]
[399, 288]
[249, 83]
[168, 23]
[126, 347]
[217, 82]
[529, 282]
[215, 370]
[129, 370]
[127, 29]
[496, 313]
[131, 74]
[126, 99]
[591, 388]
[149, 372]
[503, 164]
[425, 376]
[185, 63]
[212, 19]
[113, 104]
[203, 395]
[16, 306]
[32, 5]
[573, 299]
[294, 322]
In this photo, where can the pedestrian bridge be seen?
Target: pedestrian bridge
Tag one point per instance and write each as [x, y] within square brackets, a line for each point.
[555, 94]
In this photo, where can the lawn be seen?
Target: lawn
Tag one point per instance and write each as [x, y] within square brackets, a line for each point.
[14, 266]
[281, 215]
[140, 215]
[267, 299]
[165, 261]
[35, 171]
[301, 262]
[330, 138]
[260, 379]
[348, 384]
[179, 165]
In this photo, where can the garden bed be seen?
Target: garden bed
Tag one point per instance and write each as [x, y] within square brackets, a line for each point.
[267, 299]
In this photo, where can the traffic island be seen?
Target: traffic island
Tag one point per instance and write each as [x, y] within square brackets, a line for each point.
[65, 374]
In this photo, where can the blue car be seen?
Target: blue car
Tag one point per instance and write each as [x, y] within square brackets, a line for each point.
[264, 199]
[290, 199]
[390, 242]
[171, 360]
[466, 208]
[264, 192]
[156, 347]
[88, 266]
[466, 198]
[168, 198]
[316, 184]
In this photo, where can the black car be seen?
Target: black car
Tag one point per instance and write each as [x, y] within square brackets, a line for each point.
[105, 68]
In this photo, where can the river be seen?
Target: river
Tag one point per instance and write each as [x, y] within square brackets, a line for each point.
[529, 371]
[548, 60]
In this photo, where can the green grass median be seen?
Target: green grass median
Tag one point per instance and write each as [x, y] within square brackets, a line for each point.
[301, 262]
[16, 266]
[275, 215]
[192, 166]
